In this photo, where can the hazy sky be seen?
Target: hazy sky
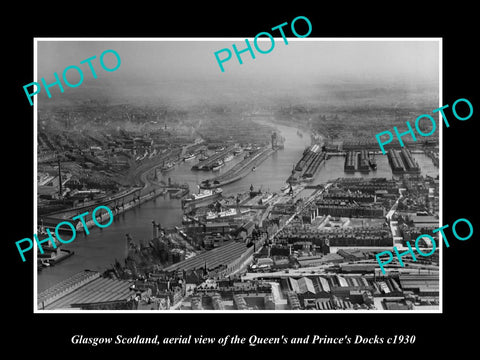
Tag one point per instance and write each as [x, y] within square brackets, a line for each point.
[300, 63]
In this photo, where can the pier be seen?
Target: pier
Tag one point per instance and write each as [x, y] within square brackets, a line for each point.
[307, 167]
[240, 170]
[117, 205]
[208, 164]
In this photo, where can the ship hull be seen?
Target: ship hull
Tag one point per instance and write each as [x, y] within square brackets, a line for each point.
[202, 200]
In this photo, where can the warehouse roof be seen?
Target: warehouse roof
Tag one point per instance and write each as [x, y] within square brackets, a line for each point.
[222, 255]
[98, 290]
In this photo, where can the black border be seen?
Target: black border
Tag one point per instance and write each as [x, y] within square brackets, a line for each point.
[434, 332]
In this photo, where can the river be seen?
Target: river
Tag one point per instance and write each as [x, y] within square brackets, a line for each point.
[99, 249]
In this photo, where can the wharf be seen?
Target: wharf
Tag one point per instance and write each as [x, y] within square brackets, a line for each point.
[307, 167]
[240, 170]
[208, 164]
[117, 207]
[62, 254]
[122, 197]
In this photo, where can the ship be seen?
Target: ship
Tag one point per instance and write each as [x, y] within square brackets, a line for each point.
[237, 151]
[189, 157]
[187, 220]
[222, 214]
[202, 157]
[265, 198]
[203, 195]
[211, 215]
[228, 158]
[217, 165]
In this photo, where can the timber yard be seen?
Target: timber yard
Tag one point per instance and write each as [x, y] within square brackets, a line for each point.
[263, 216]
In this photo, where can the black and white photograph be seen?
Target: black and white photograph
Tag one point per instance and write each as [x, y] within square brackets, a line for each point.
[261, 187]
[225, 181]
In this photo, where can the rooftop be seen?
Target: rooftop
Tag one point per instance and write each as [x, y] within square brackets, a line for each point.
[98, 290]
[221, 255]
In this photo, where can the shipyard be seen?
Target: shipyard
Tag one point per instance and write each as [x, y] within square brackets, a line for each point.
[240, 200]
[307, 244]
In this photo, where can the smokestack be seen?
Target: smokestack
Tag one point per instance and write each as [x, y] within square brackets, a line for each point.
[59, 178]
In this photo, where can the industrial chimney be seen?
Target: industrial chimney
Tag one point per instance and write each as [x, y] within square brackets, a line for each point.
[60, 192]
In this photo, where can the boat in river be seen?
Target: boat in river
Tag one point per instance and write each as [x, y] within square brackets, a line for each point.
[189, 157]
[228, 158]
[206, 194]
[217, 165]
[211, 215]
[237, 151]
[202, 157]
